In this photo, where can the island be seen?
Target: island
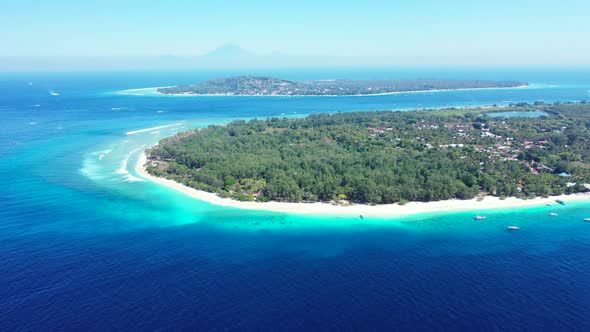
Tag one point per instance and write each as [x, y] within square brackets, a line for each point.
[269, 86]
[386, 157]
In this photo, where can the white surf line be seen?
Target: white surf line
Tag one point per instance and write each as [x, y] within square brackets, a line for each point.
[148, 88]
[152, 128]
[101, 154]
[123, 169]
[137, 91]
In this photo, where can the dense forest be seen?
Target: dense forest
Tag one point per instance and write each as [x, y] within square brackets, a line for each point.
[386, 156]
[266, 86]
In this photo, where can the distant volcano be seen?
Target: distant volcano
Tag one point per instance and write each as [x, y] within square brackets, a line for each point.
[229, 51]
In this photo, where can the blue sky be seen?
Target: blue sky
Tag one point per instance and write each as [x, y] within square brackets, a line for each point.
[500, 31]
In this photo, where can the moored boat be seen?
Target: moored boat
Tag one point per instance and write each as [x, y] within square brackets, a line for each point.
[513, 228]
[479, 217]
[587, 219]
[560, 201]
[553, 214]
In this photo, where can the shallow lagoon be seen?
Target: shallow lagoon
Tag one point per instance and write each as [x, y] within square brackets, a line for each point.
[517, 114]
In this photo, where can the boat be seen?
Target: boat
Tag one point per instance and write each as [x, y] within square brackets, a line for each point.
[361, 216]
[553, 214]
[587, 219]
[560, 201]
[513, 228]
[479, 217]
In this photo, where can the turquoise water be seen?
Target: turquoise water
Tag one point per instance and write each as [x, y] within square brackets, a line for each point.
[517, 114]
[88, 244]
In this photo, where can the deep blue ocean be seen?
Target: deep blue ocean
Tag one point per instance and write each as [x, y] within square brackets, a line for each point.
[87, 244]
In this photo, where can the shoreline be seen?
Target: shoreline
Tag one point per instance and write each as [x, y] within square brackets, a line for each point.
[155, 91]
[356, 210]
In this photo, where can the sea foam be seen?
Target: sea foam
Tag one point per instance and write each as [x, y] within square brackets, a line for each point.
[128, 177]
[151, 129]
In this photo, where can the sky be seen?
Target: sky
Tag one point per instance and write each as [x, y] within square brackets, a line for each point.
[419, 31]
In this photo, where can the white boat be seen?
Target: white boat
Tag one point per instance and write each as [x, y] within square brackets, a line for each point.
[513, 228]
[479, 217]
[587, 219]
[553, 214]
[53, 93]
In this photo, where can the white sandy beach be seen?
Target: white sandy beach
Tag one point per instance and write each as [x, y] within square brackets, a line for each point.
[154, 91]
[355, 210]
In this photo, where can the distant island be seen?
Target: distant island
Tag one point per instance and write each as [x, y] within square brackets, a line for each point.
[269, 86]
[387, 157]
